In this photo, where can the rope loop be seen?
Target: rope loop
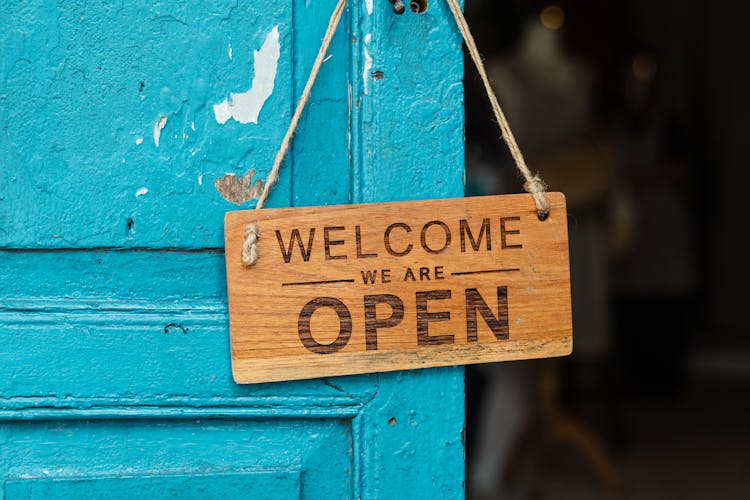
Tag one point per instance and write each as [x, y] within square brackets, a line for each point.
[533, 184]
[250, 247]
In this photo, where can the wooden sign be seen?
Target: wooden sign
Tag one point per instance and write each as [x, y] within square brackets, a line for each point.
[391, 286]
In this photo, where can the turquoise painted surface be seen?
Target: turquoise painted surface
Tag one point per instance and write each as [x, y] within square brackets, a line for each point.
[114, 366]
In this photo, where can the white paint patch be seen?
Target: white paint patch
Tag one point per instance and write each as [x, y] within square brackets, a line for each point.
[368, 4]
[192, 126]
[229, 51]
[245, 106]
[141, 192]
[139, 140]
[368, 65]
[200, 180]
[158, 127]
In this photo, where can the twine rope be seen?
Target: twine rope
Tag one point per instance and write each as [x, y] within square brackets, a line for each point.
[250, 246]
[533, 184]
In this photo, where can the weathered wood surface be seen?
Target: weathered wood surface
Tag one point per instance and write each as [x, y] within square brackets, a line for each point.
[392, 286]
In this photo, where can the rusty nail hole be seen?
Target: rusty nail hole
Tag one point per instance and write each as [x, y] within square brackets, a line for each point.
[392, 421]
[398, 6]
[378, 75]
[418, 6]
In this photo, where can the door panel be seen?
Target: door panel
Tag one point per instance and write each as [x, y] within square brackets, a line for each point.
[114, 360]
[257, 485]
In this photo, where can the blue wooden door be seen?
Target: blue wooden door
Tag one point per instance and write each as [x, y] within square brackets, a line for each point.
[115, 120]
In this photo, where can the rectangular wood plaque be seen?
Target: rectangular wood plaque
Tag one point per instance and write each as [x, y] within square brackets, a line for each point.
[353, 289]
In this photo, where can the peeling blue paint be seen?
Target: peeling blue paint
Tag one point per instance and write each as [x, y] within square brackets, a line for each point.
[245, 107]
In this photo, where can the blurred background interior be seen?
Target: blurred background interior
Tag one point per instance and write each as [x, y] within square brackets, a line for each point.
[638, 111]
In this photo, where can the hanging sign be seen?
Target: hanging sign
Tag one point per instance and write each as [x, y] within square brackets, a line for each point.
[350, 289]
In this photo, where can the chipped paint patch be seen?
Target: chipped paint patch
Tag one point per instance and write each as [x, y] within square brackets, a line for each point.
[368, 4]
[141, 191]
[229, 51]
[245, 106]
[367, 66]
[158, 127]
[200, 180]
[239, 191]
[139, 140]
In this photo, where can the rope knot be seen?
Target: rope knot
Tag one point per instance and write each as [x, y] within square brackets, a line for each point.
[250, 247]
[536, 187]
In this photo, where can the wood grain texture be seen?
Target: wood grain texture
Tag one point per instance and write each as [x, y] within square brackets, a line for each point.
[469, 280]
